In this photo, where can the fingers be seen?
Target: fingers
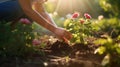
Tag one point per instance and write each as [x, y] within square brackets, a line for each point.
[65, 40]
[63, 34]
[68, 35]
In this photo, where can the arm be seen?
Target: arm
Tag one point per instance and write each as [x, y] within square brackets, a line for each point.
[38, 7]
[27, 8]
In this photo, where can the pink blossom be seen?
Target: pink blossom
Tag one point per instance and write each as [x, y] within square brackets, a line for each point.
[25, 21]
[35, 42]
[87, 16]
[75, 15]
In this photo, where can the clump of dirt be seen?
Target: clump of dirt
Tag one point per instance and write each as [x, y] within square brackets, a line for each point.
[61, 48]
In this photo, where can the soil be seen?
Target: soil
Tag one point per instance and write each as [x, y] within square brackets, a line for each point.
[77, 55]
[60, 54]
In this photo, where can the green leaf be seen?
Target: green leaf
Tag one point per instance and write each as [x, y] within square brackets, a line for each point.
[118, 50]
[100, 41]
[118, 37]
[100, 50]
[106, 60]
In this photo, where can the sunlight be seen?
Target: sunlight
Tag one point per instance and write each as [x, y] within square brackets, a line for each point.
[65, 7]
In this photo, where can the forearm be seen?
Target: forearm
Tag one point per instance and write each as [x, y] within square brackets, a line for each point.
[47, 17]
[40, 20]
[40, 9]
[26, 6]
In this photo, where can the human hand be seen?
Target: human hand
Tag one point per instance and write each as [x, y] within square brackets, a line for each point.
[63, 34]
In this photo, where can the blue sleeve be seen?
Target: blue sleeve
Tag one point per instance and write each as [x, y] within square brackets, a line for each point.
[10, 10]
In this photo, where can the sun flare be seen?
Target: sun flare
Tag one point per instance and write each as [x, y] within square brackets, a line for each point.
[70, 6]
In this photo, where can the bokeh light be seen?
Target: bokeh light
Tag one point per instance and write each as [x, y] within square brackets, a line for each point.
[64, 7]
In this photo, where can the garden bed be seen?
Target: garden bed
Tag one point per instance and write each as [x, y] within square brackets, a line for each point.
[36, 50]
[59, 54]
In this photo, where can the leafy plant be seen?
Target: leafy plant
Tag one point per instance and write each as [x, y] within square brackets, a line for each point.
[111, 49]
[16, 42]
[111, 6]
[110, 26]
[81, 28]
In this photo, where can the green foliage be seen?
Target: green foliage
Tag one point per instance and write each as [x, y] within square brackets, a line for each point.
[15, 42]
[111, 6]
[108, 39]
[81, 29]
[110, 48]
[109, 26]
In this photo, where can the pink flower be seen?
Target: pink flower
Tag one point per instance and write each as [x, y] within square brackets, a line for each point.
[25, 21]
[35, 42]
[82, 21]
[87, 16]
[75, 15]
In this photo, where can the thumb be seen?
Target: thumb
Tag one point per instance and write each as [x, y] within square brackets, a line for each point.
[65, 40]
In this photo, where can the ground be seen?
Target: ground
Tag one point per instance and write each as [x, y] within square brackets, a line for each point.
[59, 54]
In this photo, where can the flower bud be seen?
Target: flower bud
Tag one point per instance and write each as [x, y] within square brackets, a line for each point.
[35, 42]
[87, 16]
[75, 15]
[25, 21]
[82, 21]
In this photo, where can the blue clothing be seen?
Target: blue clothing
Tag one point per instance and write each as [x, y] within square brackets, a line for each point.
[1, 1]
[10, 10]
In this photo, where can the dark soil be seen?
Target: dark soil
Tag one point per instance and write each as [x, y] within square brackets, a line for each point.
[60, 54]
[79, 55]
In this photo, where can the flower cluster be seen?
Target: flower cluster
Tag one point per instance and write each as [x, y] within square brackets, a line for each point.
[76, 15]
[79, 27]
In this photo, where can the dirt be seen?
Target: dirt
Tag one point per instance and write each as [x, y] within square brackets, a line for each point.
[60, 54]
[77, 55]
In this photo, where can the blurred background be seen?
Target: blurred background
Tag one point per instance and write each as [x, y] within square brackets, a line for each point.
[62, 9]
[20, 40]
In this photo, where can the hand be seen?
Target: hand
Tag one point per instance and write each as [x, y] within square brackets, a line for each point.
[63, 34]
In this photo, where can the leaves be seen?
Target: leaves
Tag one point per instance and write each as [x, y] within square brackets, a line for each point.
[111, 6]
[100, 41]
[100, 50]
[79, 26]
[14, 40]
[106, 60]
